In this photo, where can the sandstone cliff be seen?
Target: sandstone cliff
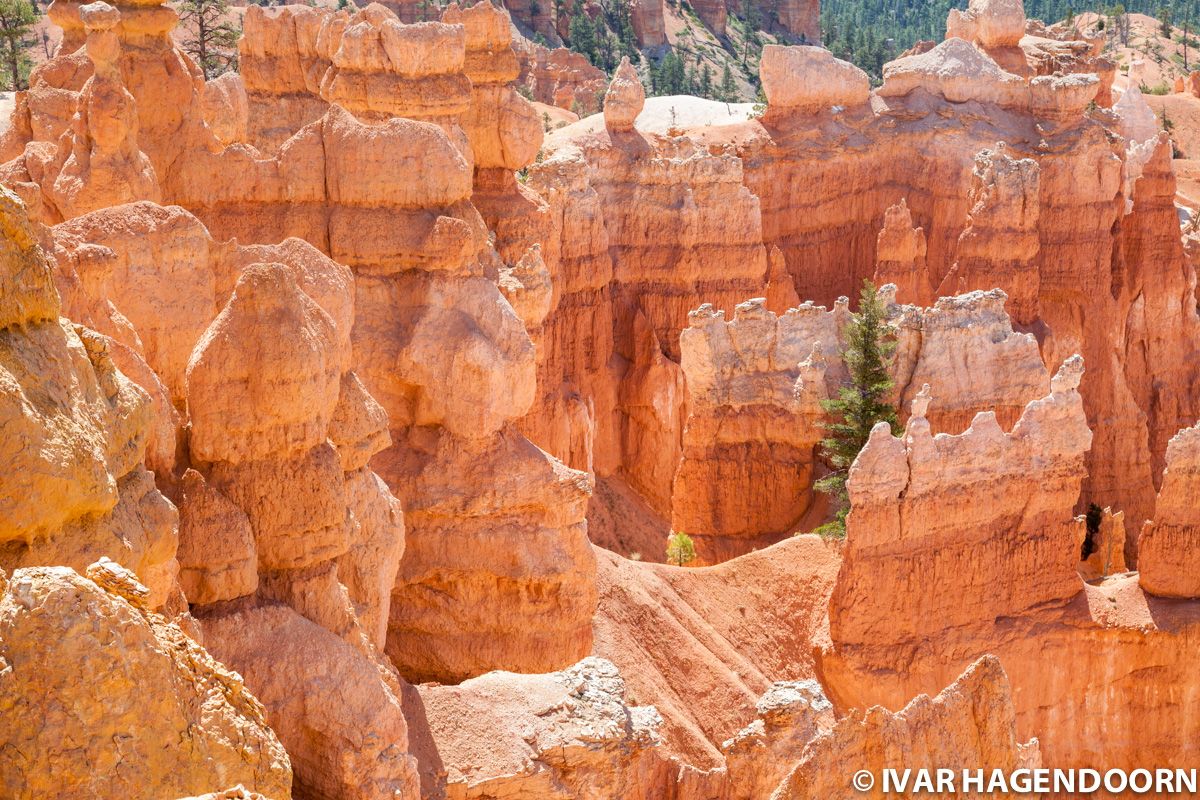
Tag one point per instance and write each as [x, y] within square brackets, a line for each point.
[76, 487]
[382, 434]
[755, 386]
[153, 715]
[1165, 548]
[969, 725]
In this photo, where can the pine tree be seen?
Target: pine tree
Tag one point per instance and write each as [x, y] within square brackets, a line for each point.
[211, 36]
[582, 34]
[706, 82]
[669, 76]
[680, 549]
[728, 91]
[859, 405]
[16, 23]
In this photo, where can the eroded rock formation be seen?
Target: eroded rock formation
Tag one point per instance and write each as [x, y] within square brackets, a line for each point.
[76, 487]
[567, 734]
[279, 436]
[755, 386]
[900, 257]
[160, 715]
[351, 422]
[970, 724]
[560, 77]
[1166, 550]
[894, 479]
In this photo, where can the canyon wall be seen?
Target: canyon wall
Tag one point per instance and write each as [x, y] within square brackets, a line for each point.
[1000, 577]
[341, 410]
[1166, 554]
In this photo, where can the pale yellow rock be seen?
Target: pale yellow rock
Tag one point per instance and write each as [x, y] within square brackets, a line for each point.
[991, 23]
[969, 725]
[106, 700]
[959, 72]
[74, 487]
[567, 734]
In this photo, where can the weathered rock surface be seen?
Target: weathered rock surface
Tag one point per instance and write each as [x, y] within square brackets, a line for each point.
[1000, 246]
[104, 698]
[761, 755]
[959, 72]
[624, 99]
[560, 77]
[281, 67]
[705, 644]
[755, 385]
[1166, 550]
[809, 80]
[966, 350]
[1033, 476]
[567, 734]
[100, 164]
[1102, 551]
[444, 320]
[329, 173]
[969, 725]
[75, 487]
[335, 710]
[283, 437]
[900, 257]
[649, 26]
[754, 416]
[990, 23]
[801, 18]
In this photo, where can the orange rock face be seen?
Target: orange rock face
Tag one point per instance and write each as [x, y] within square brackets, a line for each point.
[1000, 246]
[1165, 552]
[76, 487]
[898, 482]
[739, 627]
[755, 386]
[560, 77]
[1039, 540]
[900, 255]
[649, 26]
[345, 407]
[309, 538]
[969, 725]
[801, 18]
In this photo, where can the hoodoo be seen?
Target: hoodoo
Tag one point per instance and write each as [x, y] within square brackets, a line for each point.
[443, 403]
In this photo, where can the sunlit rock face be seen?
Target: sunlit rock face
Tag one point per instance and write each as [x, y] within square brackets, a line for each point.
[168, 719]
[337, 357]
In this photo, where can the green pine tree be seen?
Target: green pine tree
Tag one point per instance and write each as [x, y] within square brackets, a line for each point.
[582, 34]
[680, 549]
[859, 405]
[706, 82]
[728, 91]
[16, 23]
